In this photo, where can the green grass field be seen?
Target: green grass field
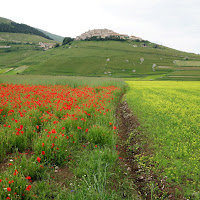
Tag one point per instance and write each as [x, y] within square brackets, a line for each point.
[10, 57]
[188, 63]
[20, 37]
[169, 117]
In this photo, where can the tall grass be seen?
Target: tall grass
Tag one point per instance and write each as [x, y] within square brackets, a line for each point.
[73, 81]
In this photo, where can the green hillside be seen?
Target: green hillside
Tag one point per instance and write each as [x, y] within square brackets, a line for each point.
[113, 59]
[21, 37]
[132, 60]
[4, 20]
[53, 36]
[13, 27]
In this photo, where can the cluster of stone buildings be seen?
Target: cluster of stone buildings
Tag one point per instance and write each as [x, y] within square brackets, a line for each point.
[103, 33]
[47, 46]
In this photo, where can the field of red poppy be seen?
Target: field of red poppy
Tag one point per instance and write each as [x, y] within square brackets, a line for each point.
[58, 142]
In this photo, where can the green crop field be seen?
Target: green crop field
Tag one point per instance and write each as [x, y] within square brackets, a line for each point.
[187, 63]
[169, 117]
[34, 111]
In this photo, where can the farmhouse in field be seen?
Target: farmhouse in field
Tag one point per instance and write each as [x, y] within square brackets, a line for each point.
[47, 46]
[104, 33]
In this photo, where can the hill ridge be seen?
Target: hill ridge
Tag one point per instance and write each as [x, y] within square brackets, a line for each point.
[9, 26]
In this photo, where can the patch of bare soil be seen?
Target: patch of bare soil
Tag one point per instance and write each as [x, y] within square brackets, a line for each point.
[62, 175]
[3, 166]
[132, 143]
[12, 157]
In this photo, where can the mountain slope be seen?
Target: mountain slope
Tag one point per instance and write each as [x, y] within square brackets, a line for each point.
[53, 36]
[13, 27]
[129, 59]
[4, 20]
[21, 37]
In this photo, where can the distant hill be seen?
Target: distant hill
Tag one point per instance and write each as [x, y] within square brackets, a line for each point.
[125, 59]
[13, 27]
[23, 38]
[4, 20]
[131, 58]
[53, 36]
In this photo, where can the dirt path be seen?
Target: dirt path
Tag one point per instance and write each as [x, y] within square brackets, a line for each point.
[148, 184]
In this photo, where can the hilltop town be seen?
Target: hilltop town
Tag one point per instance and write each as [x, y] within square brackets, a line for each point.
[104, 33]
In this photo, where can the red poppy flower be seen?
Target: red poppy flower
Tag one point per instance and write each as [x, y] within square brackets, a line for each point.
[28, 188]
[15, 173]
[9, 189]
[43, 152]
[38, 159]
[28, 178]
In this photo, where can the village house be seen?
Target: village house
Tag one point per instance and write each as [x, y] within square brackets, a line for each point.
[47, 46]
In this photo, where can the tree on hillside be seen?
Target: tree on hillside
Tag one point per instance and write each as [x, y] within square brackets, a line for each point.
[57, 45]
[67, 40]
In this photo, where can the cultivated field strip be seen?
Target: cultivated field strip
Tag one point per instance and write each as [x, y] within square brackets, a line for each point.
[169, 113]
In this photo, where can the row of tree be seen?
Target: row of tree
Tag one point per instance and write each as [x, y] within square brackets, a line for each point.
[69, 40]
[21, 28]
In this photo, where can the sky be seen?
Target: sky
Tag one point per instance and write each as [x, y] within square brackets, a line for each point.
[173, 23]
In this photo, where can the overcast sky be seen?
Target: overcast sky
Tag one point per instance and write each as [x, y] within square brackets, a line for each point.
[174, 23]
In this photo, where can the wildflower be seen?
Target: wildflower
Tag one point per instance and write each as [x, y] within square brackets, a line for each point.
[28, 178]
[15, 173]
[43, 152]
[53, 131]
[28, 188]
[9, 189]
[38, 159]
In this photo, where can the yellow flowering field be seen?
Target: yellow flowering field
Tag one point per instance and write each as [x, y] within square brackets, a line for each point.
[169, 114]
